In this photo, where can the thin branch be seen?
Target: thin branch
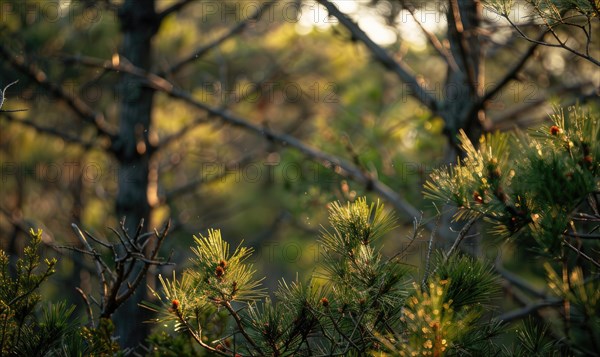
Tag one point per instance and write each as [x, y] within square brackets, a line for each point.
[527, 310]
[102, 243]
[429, 249]
[50, 131]
[582, 254]
[238, 322]
[399, 68]
[432, 38]
[416, 233]
[511, 73]
[182, 132]
[238, 28]
[101, 267]
[195, 336]
[582, 235]
[342, 167]
[88, 309]
[518, 281]
[560, 43]
[461, 235]
[173, 8]
[75, 103]
[3, 94]
[147, 263]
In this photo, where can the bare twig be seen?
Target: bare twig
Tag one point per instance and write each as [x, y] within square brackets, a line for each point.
[582, 235]
[429, 250]
[117, 284]
[88, 309]
[101, 267]
[197, 336]
[560, 43]
[527, 310]
[512, 73]
[3, 98]
[432, 38]
[582, 254]
[461, 235]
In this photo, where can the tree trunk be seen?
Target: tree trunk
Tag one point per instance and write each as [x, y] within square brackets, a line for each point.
[462, 91]
[139, 23]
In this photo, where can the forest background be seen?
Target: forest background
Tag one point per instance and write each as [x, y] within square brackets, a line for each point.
[251, 116]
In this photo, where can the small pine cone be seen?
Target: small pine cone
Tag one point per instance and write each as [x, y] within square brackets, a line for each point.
[174, 305]
[477, 197]
[325, 302]
[554, 130]
[496, 173]
[219, 271]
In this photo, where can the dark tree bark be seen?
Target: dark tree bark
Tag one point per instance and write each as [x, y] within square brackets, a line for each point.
[463, 87]
[139, 24]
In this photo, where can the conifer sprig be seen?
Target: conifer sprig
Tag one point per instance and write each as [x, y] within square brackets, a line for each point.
[222, 275]
[522, 183]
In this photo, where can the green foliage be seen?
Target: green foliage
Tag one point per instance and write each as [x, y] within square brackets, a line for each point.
[24, 329]
[533, 340]
[445, 316]
[527, 184]
[225, 276]
[540, 189]
[470, 282]
[161, 343]
[100, 338]
[357, 303]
